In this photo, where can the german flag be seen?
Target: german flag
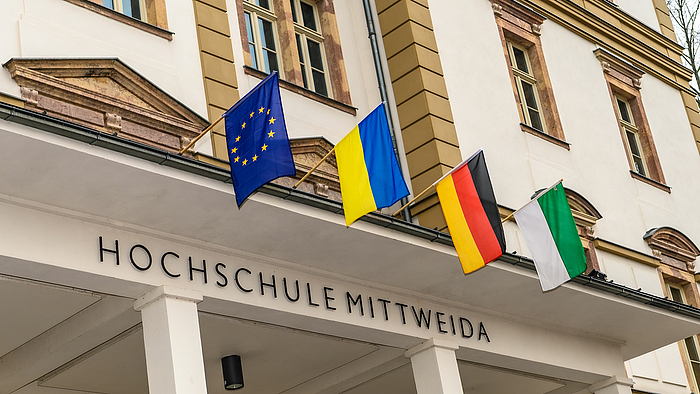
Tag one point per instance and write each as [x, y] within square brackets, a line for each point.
[470, 209]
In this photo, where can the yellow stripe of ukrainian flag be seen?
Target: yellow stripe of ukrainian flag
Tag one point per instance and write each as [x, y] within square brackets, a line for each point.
[354, 179]
[468, 252]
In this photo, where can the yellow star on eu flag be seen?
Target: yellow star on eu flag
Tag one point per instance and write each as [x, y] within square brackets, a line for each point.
[255, 157]
[238, 138]
[261, 109]
[245, 161]
[271, 134]
[243, 125]
[234, 150]
[235, 160]
[268, 111]
[264, 147]
[252, 113]
[272, 120]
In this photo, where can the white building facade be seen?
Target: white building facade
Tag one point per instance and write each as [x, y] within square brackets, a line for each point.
[126, 268]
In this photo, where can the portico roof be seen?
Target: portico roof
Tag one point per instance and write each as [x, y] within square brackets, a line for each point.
[132, 183]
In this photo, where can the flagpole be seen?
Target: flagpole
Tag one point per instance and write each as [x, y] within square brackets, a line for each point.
[211, 126]
[534, 199]
[314, 168]
[457, 167]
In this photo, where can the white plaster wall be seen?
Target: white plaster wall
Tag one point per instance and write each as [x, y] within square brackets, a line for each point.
[486, 116]
[642, 10]
[55, 28]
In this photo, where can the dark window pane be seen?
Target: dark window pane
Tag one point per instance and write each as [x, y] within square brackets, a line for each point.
[529, 92]
[301, 61]
[634, 148]
[639, 166]
[520, 62]
[692, 350]
[263, 3]
[307, 13]
[135, 8]
[270, 61]
[294, 10]
[696, 370]
[676, 295]
[535, 119]
[108, 3]
[624, 114]
[303, 76]
[315, 54]
[267, 37]
[320, 83]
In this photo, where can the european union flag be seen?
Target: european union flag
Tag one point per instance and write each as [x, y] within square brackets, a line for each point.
[256, 135]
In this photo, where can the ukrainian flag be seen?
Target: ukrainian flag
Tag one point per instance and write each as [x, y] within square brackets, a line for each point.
[370, 177]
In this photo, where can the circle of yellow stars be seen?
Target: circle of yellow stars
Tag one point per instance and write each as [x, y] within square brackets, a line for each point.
[263, 148]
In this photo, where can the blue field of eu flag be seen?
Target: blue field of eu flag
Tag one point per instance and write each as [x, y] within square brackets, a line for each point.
[256, 135]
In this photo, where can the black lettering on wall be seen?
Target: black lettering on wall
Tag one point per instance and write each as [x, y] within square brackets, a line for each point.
[401, 309]
[162, 263]
[452, 323]
[193, 269]
[238, 281]
[371, 307]
[148, 255]
[422, 319]
[221, 274]
[115, 251]
[461, 326]
[286, 291]
[482, 332]
[386, 312]
[308, 293]
[273, 285]
[440, 323]
[328, 298]
[356, 301]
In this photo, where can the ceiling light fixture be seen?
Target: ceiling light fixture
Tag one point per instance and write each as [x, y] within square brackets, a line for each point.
[233, 372]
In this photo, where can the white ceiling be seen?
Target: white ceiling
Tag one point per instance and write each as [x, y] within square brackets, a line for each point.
[29, 309]
[274, 359]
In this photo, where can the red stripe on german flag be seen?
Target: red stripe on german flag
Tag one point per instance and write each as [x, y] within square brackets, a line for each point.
[471, 212]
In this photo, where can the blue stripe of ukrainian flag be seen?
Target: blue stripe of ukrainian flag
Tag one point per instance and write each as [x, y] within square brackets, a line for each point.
[370, 177]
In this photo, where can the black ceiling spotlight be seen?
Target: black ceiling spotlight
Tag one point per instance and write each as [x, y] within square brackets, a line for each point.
[233, 372]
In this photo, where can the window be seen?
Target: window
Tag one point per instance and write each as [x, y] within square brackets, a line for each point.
[133, 8]
[261, 33]
[519, 28]
[624, 85]
[310, 46]
[526, 85]
[624, 114]
[690, 344]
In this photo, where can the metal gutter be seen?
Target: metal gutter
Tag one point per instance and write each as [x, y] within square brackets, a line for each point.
[77, 132]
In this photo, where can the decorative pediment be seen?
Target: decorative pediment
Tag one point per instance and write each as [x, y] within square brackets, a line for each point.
[585, 214]
[519, 14]
[324, 181]
[619, 69]
[107, 95]
[667, 242]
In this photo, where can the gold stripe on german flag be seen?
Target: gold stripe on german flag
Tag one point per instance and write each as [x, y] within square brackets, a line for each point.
[471, 212]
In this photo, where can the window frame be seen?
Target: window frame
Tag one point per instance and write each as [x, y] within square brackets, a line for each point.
[118, 6]
[528, 77]
[306, 33]
[631, 127]
[257, 12]
[694, 379]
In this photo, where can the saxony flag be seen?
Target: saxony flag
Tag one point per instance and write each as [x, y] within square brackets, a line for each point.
[471, 213]
[550, 232]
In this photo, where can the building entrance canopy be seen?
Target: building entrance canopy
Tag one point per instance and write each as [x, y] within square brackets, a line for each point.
[108, 218]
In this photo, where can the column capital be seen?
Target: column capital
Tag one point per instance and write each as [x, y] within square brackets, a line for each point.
[167, 292]
[611, 381]
[431, 343]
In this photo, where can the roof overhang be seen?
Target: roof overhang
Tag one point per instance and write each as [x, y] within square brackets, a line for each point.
[102, 175]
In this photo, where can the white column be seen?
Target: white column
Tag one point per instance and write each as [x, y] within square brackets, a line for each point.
[435, 367]
[172, 341]
[613, 385]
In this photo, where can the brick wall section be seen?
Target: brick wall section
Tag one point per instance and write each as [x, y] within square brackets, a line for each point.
[425, 115]
[216, 54]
